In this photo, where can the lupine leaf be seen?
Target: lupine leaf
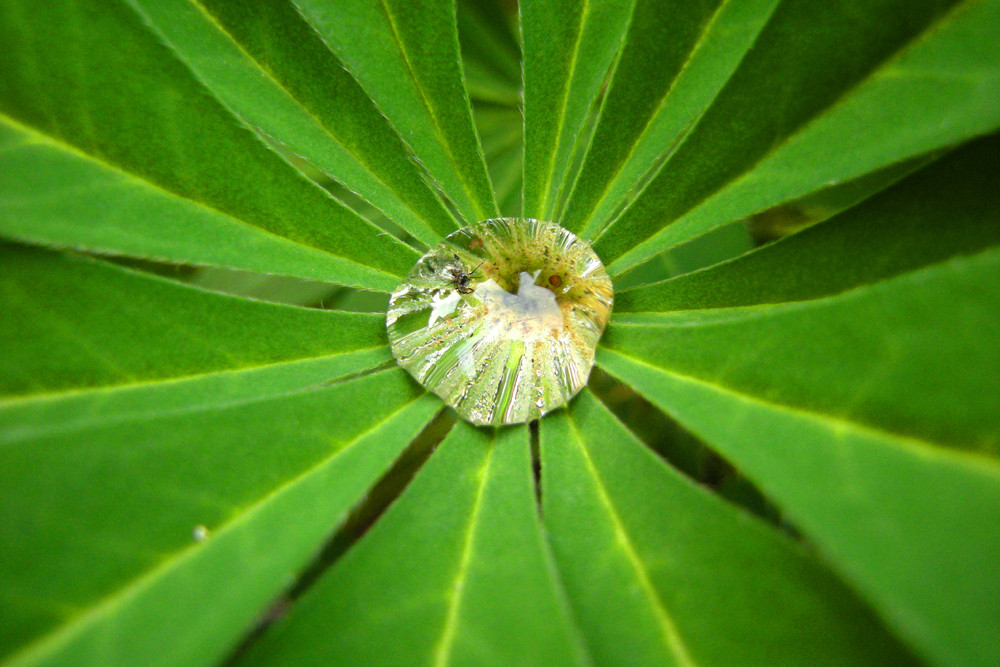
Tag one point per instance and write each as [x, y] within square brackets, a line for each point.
[660, 572]
[270, 68]
[887, 355]
[456, 572]
[903, 520]
[182, 523]
[882, 83]
[93, 109]
[568, 47]
[947, 209]
[192, 478]
[405, 55]
[53, 195]
[74, 322]
[675, 60]
[848, 412]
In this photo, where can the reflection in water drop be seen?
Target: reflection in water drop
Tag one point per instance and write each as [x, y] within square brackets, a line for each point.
[501, 320]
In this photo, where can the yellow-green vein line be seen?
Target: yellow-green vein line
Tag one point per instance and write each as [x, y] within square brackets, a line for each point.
[48, 645]
[588, 227]
[270, 76]
[619, 265]
[561, 119]
[669, 629]
[43, 139]
[435, 121]
[442, 651]
[920, 448]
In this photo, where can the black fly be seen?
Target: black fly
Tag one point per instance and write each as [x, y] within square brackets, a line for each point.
[460, 277]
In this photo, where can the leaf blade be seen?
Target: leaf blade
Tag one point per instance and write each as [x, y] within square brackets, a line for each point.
[103, 125]
[661, 572]
[883, 355]
[461, 520]
[654, 97]
[263, 64]
[560, 86]
[764, 163]
[899, 230]
[150, 574]
[75, 323]
[406, 56]
[882, 537]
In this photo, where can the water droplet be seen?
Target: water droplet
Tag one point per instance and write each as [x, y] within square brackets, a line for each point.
[501, 320]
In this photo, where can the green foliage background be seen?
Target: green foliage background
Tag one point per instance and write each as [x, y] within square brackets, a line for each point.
[787, 455]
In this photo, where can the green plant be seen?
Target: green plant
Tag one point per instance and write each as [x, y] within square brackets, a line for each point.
[173, 459]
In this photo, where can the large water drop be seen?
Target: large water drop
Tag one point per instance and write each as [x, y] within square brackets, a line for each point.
[501, 319]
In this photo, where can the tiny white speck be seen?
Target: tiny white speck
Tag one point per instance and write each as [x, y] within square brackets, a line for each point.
[199, 533]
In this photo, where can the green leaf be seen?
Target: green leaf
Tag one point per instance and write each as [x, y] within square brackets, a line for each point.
[947, 209]
[455, 572]
[848, 413]
[93, 109]
[506, 172]
[674, 62]
[661, 572]
[881, 83]
[73, 322]
[491, 55]
[884, 355]
[903, 520]
[182, 523]
[267, 65]
[268, 287]
[719, 245]
[568, 47]
[192, 478]
[405, 54]
[500, 129]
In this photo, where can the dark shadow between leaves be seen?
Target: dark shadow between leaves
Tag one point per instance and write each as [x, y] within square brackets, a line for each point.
[681, 449]
[358, 522]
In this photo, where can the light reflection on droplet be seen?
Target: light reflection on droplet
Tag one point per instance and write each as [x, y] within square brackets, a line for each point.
[501, 320]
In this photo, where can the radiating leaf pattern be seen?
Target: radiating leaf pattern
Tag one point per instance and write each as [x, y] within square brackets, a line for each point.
[458, 566]
[273, 85]
[207, 457]
[931, 78]
[166, 154]
[896, 231]
[686, 559]
[296, 453]
[672, 65]
[405, 55]
[568, 47]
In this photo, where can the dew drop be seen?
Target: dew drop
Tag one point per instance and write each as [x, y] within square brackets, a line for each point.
[501, 319]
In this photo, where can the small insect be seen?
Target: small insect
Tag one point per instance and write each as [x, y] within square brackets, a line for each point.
[460, 277]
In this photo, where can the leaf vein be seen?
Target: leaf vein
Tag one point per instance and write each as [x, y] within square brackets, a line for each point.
[43, 139]
[442, 652]
[671, 634]
[620, 266]
[46, 646]
[918, 447]
[435, 121]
